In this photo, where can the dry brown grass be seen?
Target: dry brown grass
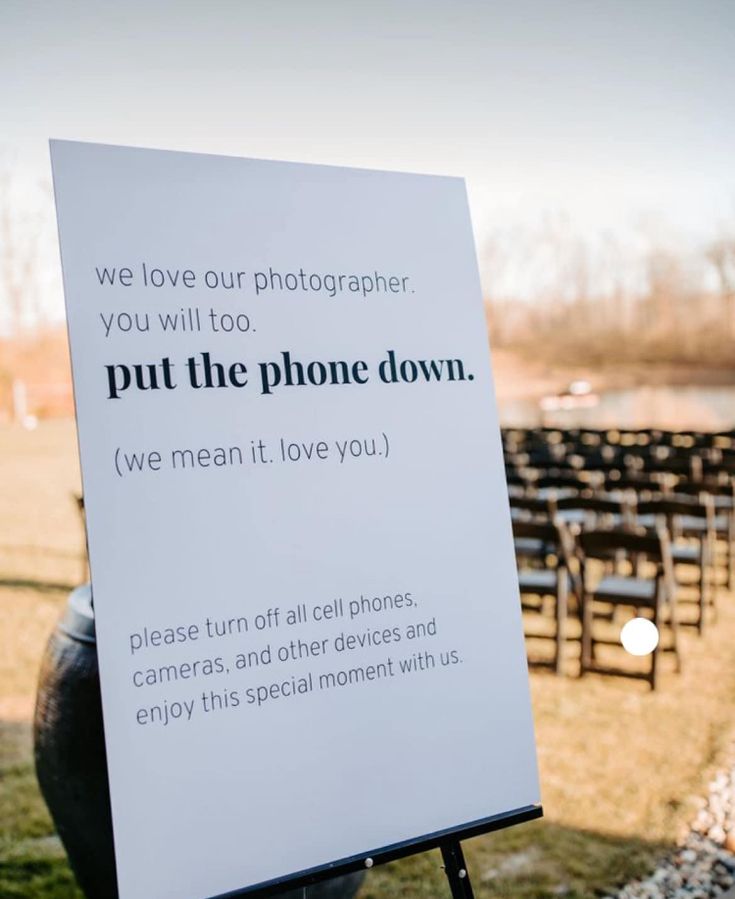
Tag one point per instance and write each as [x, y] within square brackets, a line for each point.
[621, 768]
[40, 359]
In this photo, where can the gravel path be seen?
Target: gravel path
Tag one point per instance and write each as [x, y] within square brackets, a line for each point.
[704, 864]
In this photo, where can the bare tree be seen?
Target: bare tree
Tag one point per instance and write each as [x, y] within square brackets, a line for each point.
[21, 229]
[721, 254]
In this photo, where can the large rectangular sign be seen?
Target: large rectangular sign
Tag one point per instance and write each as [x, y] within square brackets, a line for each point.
[309, 632]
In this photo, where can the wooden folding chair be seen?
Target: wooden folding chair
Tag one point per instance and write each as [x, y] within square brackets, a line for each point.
[531, 508]
[691, 524]
[723, 498]
[596, 511]
[653, 597]
[555, 580]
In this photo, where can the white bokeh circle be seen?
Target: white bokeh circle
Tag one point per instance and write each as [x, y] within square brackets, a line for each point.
[639, 636]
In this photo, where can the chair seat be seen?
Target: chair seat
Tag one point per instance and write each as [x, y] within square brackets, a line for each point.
[616, 588]
[686, 554]
[555, 492]
[581, 516]
[530, 547]
[541, 581]
[691, 525]
[572, 516]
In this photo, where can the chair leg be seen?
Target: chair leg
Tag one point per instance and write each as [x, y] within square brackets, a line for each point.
[731, 557]
[703, 595]
[654, 654]
[562, 597]
[674, 627]
[587, 641]
[711, 577]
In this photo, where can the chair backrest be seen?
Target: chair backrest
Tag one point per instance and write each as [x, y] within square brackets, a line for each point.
[536, 530]
[598, 508]
[540, 507]
[516, 479]
[609, 505]
[555, 535]
[672, 506]
[712, 487]
[567, 480]
[598, 544]
[655, 546]
[640, 486]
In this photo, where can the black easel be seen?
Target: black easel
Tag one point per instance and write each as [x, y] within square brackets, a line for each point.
[456, 870]
[448, 841]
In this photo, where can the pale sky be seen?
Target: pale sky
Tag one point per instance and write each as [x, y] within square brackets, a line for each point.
[607, 111]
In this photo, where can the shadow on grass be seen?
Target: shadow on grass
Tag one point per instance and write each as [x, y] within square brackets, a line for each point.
[553, 862]
[32, 860]
[19, 583]
[539, 860]
[42, 878]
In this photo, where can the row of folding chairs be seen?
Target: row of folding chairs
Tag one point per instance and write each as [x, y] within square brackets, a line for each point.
[640, 437]
[621, 501]
[690, 466]
[693, 456]
[594, 556]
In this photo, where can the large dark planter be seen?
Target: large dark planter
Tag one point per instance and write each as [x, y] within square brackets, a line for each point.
[71, 763]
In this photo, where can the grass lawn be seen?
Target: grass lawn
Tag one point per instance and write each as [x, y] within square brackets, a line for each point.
[621, 769]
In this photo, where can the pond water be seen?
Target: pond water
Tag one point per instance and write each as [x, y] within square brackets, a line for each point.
[672, 408]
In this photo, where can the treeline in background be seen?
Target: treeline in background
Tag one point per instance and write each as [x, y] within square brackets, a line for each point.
[647, 297]
[553, 294]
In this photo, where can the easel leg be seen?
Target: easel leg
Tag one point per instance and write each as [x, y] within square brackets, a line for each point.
[456, 871]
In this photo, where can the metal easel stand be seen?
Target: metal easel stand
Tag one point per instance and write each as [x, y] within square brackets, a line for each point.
[456, 870]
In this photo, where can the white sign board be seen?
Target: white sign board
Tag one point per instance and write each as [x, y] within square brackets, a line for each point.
[307, 609]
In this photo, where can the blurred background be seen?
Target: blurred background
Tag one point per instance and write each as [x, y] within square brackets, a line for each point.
[597, 140]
